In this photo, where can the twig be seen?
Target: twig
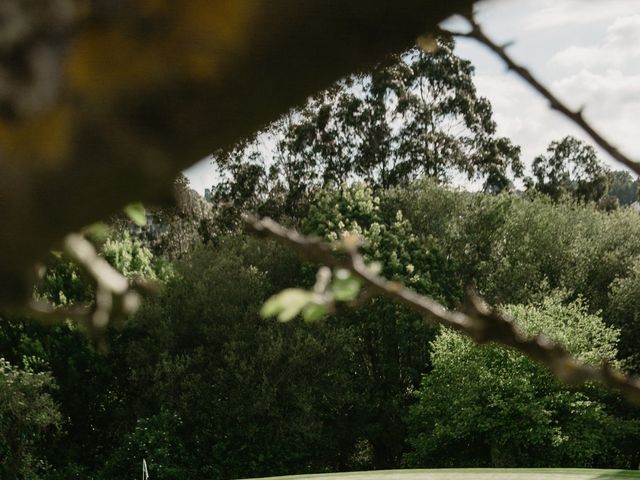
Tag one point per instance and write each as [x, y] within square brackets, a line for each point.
[478, 320]
[576, 116]
[48, 314]
[115, 296]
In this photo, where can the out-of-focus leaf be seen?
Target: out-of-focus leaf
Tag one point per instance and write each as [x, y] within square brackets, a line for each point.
[345, 287]
[375, 267]
[286, 304]
[314, 312]
[428, 43]
[136, 212]
[271, 307]
[98, 231]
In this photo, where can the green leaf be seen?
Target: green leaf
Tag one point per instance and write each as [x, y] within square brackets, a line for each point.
[345, 286]
[286, 304]
[271, 307]
[135, 211]
[98, 231]
[314, 312]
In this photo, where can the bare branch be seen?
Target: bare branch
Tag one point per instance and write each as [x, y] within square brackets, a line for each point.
[116, 297]
[479, 321]
[48, 314]
[576, 116]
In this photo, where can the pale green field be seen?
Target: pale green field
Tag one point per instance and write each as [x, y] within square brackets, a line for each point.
[475, 473]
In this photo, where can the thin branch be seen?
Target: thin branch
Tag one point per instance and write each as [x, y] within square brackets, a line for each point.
[479, 321]
[115, 296]
[576, 116]
[48, 314]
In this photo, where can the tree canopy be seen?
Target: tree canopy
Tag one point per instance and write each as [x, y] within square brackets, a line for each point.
[468, 405]
[570, 167]
[415, 115]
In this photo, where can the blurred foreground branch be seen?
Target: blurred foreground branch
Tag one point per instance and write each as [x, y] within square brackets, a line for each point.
[104, 103]
[115, 296]
[478, 320]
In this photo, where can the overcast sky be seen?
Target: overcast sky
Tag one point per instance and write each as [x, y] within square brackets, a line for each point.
[587, 51]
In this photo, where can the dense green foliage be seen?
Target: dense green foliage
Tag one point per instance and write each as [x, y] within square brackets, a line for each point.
[201, 386]
[391, 341]
[198, 384]
[519, 248]
[416, 115]
[86, 382]
[210, 374]
[27, 414]
[493, 407]
[624, 312]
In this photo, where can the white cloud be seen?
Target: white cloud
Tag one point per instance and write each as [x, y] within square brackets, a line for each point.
[604, 77]
[612, 103]
[552, 14]
[611, 100]
[595, 64]
[620, 49]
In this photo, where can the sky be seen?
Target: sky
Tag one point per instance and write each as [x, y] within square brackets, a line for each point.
[586, 51]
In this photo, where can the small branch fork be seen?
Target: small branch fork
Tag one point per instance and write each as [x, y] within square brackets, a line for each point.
[478, 320]
[115, 297]
[555, 103]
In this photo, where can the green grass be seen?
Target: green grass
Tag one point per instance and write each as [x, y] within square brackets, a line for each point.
[476, 473]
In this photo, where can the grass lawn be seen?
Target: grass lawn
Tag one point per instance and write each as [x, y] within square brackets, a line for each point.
[476, 473]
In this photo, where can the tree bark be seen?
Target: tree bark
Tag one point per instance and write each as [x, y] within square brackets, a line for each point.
[104, 102]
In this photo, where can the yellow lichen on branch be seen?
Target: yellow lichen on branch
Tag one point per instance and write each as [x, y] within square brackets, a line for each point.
[153, 45]
[157, 44]
[39, 141]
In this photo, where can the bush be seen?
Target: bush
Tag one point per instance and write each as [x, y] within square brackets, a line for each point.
[519, 248]
[27, 415]
[487, 406]
[253, 397]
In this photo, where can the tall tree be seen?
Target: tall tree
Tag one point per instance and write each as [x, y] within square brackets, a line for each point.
[623, 186]
[570, 167]
[417, 115]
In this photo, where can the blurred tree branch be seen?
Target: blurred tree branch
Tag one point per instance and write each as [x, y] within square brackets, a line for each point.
[477, 320]
[116, 297]
[103, 102]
